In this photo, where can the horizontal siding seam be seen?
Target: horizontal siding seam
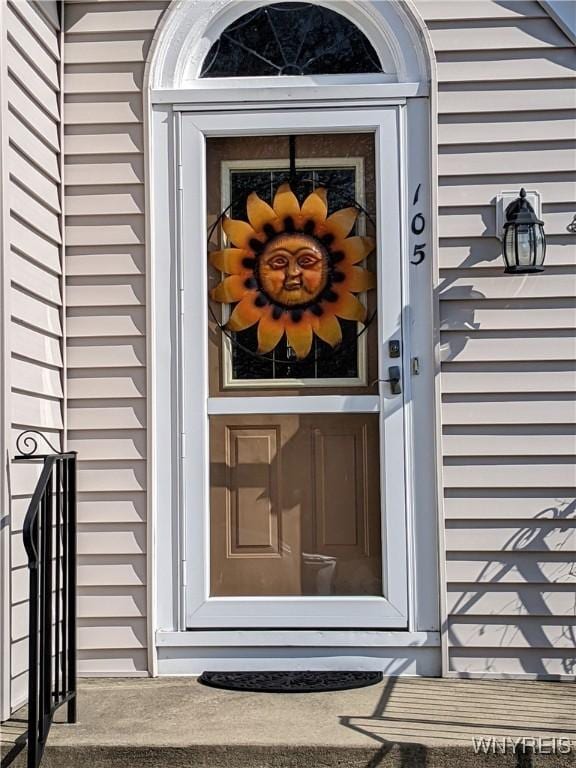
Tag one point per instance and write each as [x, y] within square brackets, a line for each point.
[491, 55]
[37, 395]
[36, 228]
[54, 367]
[102, 97]
[78, 276]
[488, 21]
[31, 94]
[50, 271]
[37, 133]
[549, 144]
[31, 126]
[40, 264]
[25, 187]
[491, 586]
[129, 152]
[33, 64]
[15, 141]
[504, 490]
[490, 88]
[505, 458]
[493, 145]
[24, 289]
[45, 332]
[94, 217]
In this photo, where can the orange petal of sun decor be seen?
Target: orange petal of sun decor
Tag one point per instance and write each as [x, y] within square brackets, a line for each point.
[293, 270]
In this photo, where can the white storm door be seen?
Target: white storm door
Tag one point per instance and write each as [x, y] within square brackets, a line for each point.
[268, 460]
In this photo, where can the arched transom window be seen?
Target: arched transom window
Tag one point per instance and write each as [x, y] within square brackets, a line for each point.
[291, 38]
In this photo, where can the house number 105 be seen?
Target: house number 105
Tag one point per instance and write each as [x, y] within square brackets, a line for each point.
[418, 226]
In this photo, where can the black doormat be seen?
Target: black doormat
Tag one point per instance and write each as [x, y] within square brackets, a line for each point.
[289, 682]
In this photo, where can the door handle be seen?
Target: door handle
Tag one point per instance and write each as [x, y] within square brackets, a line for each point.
[395, 379]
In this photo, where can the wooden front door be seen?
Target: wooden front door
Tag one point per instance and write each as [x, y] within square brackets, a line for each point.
[303, 325]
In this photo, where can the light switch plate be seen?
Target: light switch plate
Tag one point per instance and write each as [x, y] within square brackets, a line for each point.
[504, 199]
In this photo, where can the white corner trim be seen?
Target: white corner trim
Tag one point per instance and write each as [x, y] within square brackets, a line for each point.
[296, 638]
[5, 607]
[151, 445]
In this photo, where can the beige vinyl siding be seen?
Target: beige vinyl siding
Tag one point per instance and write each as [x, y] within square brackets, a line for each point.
[506, 111]
[105, 52]
[506, 119]
[32, 55]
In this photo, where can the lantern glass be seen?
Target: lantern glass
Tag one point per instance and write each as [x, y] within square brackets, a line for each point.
[510, 247]
[540, 243]
[524, 244]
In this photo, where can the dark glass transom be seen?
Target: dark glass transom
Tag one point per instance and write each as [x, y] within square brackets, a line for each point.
[290, 39]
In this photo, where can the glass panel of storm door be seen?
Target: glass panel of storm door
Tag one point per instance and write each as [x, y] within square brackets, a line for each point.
[294, 498]
[295, 505]
[344, 165]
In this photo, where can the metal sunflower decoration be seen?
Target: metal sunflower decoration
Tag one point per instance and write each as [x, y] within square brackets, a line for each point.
[293, 270]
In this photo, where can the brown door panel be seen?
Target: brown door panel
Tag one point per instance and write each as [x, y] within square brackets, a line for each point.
[295, 505]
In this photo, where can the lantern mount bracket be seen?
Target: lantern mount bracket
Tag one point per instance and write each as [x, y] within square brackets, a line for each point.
[503, 200]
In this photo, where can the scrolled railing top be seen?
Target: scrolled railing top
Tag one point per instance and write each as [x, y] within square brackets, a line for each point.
[27, 444]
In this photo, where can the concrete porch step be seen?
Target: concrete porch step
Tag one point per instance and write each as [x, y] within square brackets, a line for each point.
[401, 723]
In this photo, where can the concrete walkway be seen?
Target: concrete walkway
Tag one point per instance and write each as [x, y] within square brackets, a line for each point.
[405, 722]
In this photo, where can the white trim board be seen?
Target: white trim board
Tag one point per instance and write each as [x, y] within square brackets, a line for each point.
[392, 653]
[323, 638]
[421, 661]
[308, 404]
[265, 95]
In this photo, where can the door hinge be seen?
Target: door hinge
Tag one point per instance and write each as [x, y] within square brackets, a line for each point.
[184, 573]
[179, 177]
[181, 300]
[182, 445]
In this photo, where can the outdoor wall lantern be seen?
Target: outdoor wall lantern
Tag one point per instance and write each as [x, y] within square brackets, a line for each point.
[523, 239]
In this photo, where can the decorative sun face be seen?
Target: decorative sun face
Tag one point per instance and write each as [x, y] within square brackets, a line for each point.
[293, 270]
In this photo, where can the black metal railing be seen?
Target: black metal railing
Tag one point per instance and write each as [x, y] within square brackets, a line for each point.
[50, 543]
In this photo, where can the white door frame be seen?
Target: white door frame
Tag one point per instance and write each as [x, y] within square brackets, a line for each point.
[204, 611]
[169, 571]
